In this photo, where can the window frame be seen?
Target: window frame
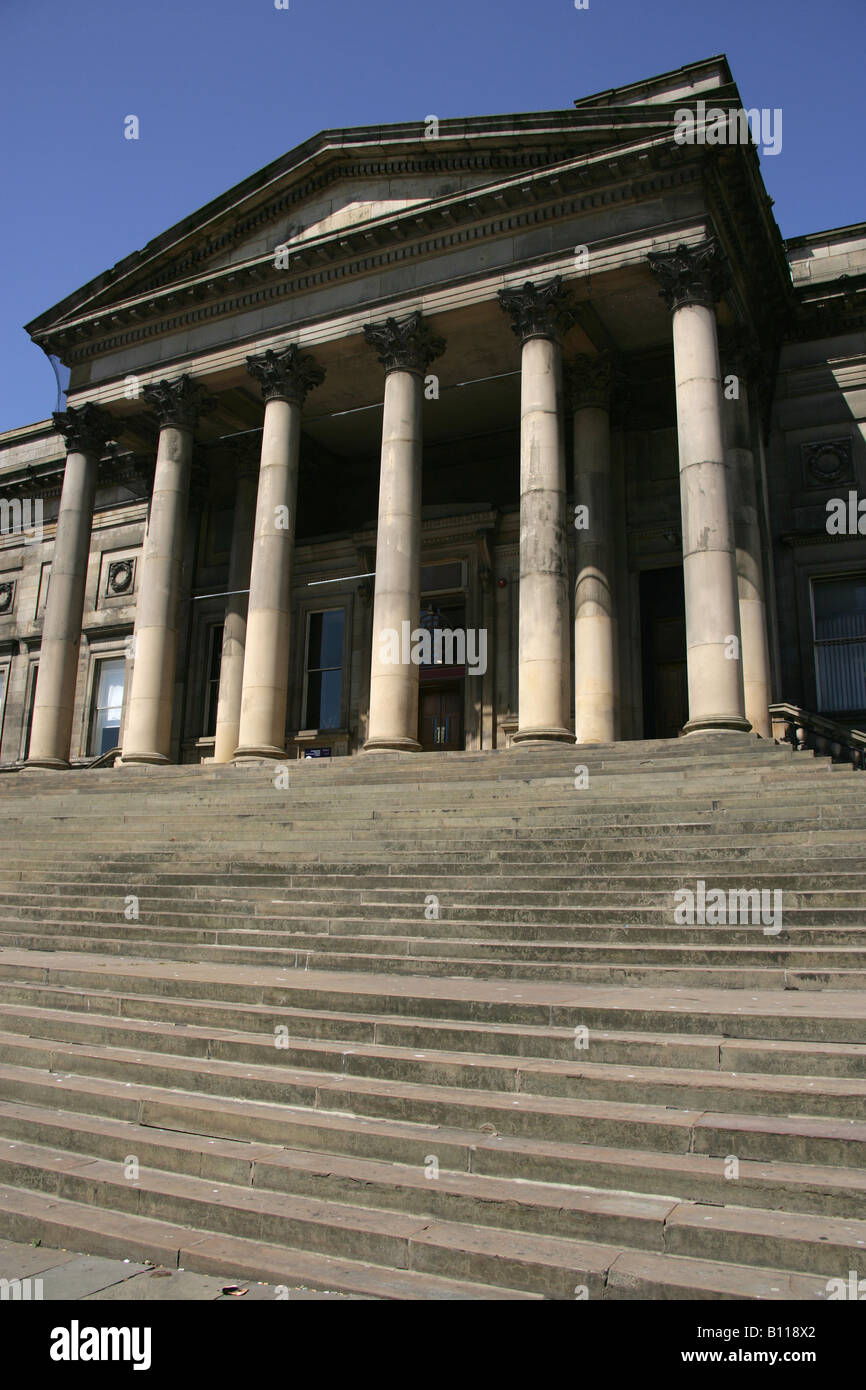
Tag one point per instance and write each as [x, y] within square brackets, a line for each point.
[308, 670]
[852, 575]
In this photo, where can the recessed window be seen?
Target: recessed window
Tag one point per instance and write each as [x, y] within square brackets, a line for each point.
[107, 706]
[324, 677]
[839, 615]
[4, 682]
[437, 579]
[32, 677]
[214, 668]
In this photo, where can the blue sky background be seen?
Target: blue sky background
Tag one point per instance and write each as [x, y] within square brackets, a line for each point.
[222, 87]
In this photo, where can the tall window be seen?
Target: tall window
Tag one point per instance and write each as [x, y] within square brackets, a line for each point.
[839, 615]
[324, 683]
[4, 680]
[214, 667]
[107, 706]
[32, 677]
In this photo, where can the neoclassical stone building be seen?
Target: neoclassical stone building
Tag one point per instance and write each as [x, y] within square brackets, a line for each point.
[551, 386]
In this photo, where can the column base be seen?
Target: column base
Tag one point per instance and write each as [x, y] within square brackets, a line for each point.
[151, 759]
[720, 723]
[48, 764]
[548, 735]
[268, 752]
[392, 745]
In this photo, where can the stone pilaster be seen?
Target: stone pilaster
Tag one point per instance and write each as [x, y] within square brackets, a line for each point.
[405, 348]
[692, 279]
[177, 405]
[540, 313]
[285, 377]
[86, 431]
[589, 384]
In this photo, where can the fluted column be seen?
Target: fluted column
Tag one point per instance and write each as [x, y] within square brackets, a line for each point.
[285, 377]
[540, 313]
[147, 736]
[406, 349]
[589, 385]
[228, 719]
[692, 279]
[85, 430]
[741, 359]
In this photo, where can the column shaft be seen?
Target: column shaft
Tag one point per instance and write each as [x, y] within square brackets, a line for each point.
[595, 634]
[61, 633]
[235, 626]
[715, 670]
[405, 349]
[543, 602]
[750, 567]
[266, 658]
[396, 596]
[86, 430]
[147, 737]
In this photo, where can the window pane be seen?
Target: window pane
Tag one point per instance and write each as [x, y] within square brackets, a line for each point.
[108, 702]
[324, 689]
[437, 577]
[326, 640]
[842, 676]
[840, 607]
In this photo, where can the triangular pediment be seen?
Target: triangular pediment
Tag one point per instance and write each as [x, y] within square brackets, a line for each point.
[370, 182]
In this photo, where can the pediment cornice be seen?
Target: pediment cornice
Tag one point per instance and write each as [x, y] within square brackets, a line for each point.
[518, 201]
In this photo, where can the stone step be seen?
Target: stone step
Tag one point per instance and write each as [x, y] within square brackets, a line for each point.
[419, 965]
[775, 1014]
[794, 1138]
[579, 1176]
[708, 1052]
[80, 1226]
[335, 1222]
[792, 945]
[580, 1077]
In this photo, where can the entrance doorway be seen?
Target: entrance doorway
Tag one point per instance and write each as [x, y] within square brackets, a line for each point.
[663, 642]
[441, 717]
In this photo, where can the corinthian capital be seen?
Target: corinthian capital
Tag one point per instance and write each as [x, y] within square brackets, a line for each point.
[539, 311]
[286, 374]
[690, 274]
[85, 428]
[590, 379]
[178, 403]
[407, 344]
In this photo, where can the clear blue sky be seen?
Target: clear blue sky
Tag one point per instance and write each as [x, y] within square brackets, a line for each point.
[221, 87]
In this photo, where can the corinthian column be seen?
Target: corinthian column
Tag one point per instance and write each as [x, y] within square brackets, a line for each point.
[540, 313]
[405, 349]
[589, 385]
[85, 431]
[285, 377]
[742, 365]
[147, 738]
[692, 279]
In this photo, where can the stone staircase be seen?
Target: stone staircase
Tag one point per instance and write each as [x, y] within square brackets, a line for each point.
[425, 1026]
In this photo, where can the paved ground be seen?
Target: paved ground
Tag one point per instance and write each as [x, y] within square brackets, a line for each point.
[67, 1276]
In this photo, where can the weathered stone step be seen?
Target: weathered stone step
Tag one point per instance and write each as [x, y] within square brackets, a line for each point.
[581, 1174]
[593, 946]
[196, 1019]
[580, 1077]
[420, 965]
[752, 1235]
[80, 1226]
[777, 1014]
[840, 1142]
